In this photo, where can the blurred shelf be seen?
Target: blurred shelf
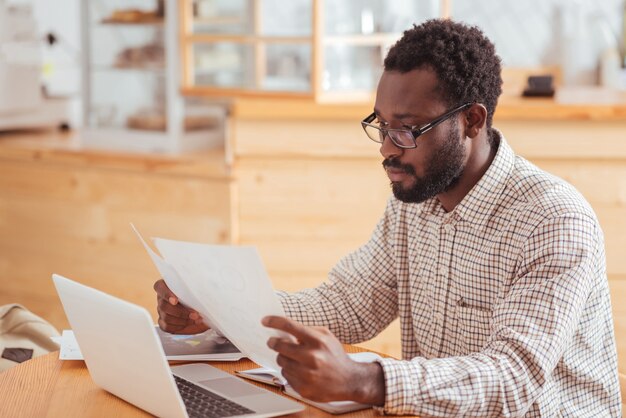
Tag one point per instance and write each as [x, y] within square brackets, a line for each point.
[217, 20]
[133, 17]
[155, 22]
[213, 71]
[160, 71]
[374, 39]
[247, 39]
[131, 96]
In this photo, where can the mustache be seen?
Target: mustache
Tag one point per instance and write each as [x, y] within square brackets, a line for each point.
[395, 163]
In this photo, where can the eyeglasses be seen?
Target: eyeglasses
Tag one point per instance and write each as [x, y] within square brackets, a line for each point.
[405, 138]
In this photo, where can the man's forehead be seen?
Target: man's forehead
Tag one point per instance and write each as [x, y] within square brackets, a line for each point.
[413, 93]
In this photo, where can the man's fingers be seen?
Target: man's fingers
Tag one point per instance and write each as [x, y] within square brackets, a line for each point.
[290, 350]
[178, 311]
[175, 321]
[174, 317]
[181, 329]
[168, 327]
[164, 292]
[303, 333]
[286, 363]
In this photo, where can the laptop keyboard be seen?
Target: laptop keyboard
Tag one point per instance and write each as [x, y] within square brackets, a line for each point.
[201, 402]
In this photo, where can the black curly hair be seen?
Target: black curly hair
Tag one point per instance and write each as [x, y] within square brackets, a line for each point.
[464, 60]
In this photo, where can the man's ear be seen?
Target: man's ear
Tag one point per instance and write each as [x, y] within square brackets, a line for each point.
[475, 119]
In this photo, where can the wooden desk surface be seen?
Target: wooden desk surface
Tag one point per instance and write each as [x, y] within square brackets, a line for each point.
[46, 386]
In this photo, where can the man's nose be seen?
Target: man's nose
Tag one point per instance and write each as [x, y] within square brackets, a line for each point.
[388, 149]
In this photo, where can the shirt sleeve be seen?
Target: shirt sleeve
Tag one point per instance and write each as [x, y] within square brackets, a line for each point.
[359, 299]
[530, 329]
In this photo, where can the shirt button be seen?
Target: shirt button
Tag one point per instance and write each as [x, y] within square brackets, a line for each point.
[438, 316]
[443, 270]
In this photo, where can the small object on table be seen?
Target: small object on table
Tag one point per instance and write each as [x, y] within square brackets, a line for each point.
[149, 56]
[155, 120]
[133, 16]
[17, 354]
[539, 86]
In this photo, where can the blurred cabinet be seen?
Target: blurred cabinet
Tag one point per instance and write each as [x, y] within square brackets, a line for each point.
[131, 72]
[320, 49]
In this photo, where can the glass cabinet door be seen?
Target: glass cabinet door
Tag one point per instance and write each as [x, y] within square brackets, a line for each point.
[223, 64]
[287, 67]
[223, 17]
[357, 36]
[322, 49]
[238, 46]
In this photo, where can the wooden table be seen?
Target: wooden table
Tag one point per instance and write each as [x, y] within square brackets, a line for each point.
[48, 387]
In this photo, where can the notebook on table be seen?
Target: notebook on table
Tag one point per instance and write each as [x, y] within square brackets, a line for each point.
[124, 357]
[274, 378]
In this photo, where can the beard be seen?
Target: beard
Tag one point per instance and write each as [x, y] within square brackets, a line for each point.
[443, 172]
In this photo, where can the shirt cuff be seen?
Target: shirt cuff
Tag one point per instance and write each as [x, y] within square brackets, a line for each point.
[401, 379]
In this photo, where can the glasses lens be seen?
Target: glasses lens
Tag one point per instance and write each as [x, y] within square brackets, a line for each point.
[402, 138]
[374, 133]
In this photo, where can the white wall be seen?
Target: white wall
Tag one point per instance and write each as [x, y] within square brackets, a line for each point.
[525, 32]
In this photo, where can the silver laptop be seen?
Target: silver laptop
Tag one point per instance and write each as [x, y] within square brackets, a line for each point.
[124, 356]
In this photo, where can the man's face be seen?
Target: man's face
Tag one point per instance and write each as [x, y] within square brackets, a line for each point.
[410, 99]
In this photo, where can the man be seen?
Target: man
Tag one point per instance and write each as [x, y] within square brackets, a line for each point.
[495, 268]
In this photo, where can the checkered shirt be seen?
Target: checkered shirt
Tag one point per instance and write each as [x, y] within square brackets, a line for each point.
[503, 302]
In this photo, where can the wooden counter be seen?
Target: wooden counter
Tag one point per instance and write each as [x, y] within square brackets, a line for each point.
[65, 148]
[67, 210]
[569, 104]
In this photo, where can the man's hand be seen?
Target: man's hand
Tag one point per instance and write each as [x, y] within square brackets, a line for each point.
[319, 369]
[174, 317]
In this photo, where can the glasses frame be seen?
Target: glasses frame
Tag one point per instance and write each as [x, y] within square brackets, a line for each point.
[415, 131]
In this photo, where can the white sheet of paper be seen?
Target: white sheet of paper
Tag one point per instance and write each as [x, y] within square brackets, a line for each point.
[69, 347]
[174, 282]
[233, 290]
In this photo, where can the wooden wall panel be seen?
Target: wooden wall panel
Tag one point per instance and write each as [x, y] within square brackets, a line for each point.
[74, 220]
[310, 138]
[566, 140]
[305, 214]
[601, 182]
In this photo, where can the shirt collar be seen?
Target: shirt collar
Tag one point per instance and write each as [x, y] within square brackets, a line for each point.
[477, 206]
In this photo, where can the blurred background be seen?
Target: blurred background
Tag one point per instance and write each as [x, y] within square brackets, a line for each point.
[237, 122]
